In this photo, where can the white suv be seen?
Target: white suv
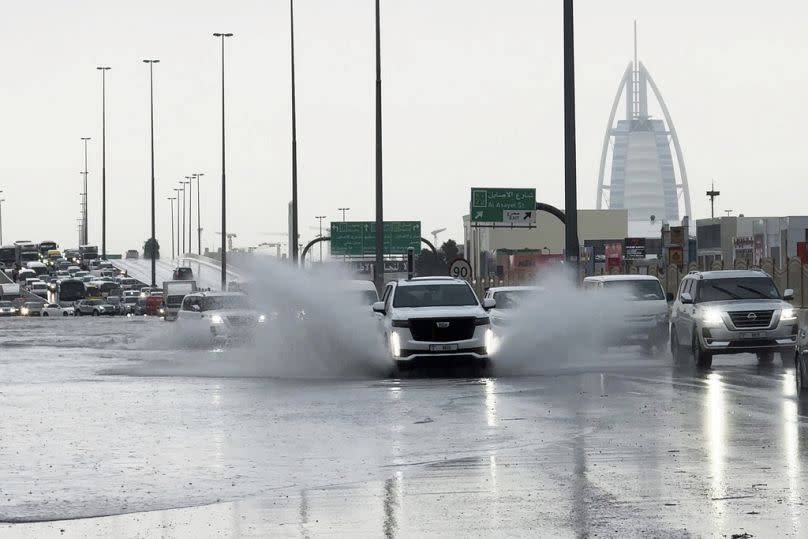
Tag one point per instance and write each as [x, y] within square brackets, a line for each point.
[225, 316]
[732, 312]
[435, 317]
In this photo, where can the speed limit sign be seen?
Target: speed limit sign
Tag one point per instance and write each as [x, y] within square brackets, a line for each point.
[460, 269]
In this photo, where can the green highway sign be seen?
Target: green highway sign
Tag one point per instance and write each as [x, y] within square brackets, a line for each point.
[358, 238]
[503, 206]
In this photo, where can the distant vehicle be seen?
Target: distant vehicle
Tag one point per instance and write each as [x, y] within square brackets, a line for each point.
[433, 318]
[225, 316]
[40, 289]
[54, 254]
[8, 309]
[31, 308]
[153, 305]
[8, 255]
[183, 273]
[93, 292]
[132, 254]
[72, 270]
[128, 283]
[26, 252]
[9, 291]
[31, 280]
[732, 312]
[106, 287]
[54, 309]
[645, 310]
[38, 267]
[94, 307]
[20, 242]
[174, 293]
[88, 253]
[509, 299]
[45, 247]
[130, 302]
[25, 274]
[71, 255]
[62, 264]
[69, 291]
[117, 303]
[364, 291]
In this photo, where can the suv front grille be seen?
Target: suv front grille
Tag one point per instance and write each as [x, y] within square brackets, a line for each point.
[426, 329]
[751, 319]
[241, 320]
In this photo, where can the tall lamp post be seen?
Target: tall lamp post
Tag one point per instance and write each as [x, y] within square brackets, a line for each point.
[1, 218]
[85, 237]
[198, 218]
[183, 214]
[378, 275]
[224, 188]
[570, 173]
[171, 203]
[190, 211]
[177, 195]
[151, 116]
[343, 210]
[320, 218]
[294, 231]
[103, 70]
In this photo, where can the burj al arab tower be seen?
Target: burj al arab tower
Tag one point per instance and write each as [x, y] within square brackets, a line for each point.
[643, 178]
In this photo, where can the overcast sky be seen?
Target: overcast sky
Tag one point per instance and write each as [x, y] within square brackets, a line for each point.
[472, 95]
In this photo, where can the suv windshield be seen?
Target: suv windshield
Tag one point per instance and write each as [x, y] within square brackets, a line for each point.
[434, 295]
[214, 303]
[639, 290]
[738, 288]
[510, 299]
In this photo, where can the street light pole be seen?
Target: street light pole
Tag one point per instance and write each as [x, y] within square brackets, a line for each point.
[294, 248]
[190, 211]
[320, 218]
[177, 193]
[171, 203]
[1, 219]
[85, 240]
[224, 188]
[183, 216]
[378, 275]
[103, 70]
[343, 210]
[198, 218]
[151, 116]
[570, 160]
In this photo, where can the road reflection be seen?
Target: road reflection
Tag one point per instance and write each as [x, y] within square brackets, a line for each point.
[716, 434]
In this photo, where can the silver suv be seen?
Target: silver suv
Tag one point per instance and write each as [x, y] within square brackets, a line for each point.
[731, 312]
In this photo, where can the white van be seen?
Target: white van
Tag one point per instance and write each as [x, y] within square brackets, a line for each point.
[647, 320]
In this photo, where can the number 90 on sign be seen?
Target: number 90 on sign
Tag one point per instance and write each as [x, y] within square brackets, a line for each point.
[460, 269]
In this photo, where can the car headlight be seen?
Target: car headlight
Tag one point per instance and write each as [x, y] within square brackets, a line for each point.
[490, 341]
[216, 319]
[25, 311]
[712, 318]
[788, 314]
[395, 344]
[262, 318]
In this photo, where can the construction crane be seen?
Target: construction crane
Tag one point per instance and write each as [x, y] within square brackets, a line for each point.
[435, 236]
[230, 237]
[277, 245]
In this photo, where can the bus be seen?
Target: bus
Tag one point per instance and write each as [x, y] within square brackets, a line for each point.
[26, 252]
[8, 255]
[40, 268]
[46, 246]
[69, 291]
[87, 253]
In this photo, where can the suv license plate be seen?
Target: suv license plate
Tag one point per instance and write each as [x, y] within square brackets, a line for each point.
[752, 335]
[442, 347]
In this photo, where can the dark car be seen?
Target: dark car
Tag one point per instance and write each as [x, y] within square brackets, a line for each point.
[183, 273]
[132, 254]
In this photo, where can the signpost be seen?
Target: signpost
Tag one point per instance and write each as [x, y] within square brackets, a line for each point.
[635, 249]
[503, 207]
[460, 269]
[357, 238]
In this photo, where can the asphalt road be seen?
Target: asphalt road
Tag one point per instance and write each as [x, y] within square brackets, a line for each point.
[111, 428]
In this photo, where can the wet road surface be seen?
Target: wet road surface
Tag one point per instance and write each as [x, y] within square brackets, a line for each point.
[95, 428]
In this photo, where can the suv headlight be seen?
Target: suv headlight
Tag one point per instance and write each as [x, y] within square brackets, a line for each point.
[216, 319]
[712, 318]
[262, 318]
[490, 342]
[788, 315]
[395, 344]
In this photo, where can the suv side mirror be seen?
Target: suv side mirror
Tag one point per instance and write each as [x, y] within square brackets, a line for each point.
[686, 298]
[489, 303]
[378, 307]
[669, 297]
[788, 295]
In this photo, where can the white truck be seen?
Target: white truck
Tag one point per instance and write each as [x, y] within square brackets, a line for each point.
[9, 292]
[174, 292]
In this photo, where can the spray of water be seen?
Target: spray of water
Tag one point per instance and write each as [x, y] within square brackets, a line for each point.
[564, 329]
